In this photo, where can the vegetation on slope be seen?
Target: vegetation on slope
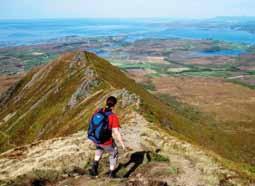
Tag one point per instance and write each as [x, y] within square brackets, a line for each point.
[169, 117]
[50, 102]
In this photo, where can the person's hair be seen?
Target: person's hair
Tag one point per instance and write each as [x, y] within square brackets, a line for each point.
[111, 101]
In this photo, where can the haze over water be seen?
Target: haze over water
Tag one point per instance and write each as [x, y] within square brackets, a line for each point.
[25, 32]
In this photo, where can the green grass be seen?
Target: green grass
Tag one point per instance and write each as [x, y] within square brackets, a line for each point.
[252, 72]
[207, 73]
[56, 121]
[48, 117]
[191, 123]
[159, 157]
[149, 86]
[236, 146]
[186, 110]
[159, 68]
[33, 61]
[173, 170]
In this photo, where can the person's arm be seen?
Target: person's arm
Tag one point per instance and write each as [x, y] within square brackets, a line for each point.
[117, 133]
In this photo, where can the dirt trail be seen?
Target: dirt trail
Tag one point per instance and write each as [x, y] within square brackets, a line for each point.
[155, 158]
[187, 165]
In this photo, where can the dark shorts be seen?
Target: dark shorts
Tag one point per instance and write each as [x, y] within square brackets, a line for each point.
[111, 149]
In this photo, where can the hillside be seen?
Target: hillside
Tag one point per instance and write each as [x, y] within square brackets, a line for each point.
[6, 81]
[54, 102]
[155, 158]
[56, 99]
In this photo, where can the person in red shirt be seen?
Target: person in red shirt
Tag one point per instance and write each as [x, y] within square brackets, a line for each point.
[109, 146]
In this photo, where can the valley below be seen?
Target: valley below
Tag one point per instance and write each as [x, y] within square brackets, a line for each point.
[52, 148]
[192, 100]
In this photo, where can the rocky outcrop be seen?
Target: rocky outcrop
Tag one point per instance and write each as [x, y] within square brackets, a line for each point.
[58, 100]
[89, 83]
[48, 160]
[125, 98]
[154, 158]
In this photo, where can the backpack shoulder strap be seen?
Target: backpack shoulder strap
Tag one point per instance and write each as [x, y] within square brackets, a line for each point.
[104, 111]
[108, 113]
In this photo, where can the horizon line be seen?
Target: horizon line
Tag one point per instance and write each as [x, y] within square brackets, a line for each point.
[122, 18]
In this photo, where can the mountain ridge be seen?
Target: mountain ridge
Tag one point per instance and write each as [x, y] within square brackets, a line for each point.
[57, 99]
[52, 81]
[165, 160]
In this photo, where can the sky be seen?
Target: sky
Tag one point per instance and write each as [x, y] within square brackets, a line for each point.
[34, 9]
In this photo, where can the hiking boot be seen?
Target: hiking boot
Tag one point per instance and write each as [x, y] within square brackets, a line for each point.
[94, 169]
[112, 174]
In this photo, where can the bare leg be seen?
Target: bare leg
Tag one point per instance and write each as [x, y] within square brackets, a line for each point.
[113, 158]
[98, 154]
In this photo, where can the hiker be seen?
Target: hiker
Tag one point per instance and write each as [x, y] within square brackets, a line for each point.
[102, 124]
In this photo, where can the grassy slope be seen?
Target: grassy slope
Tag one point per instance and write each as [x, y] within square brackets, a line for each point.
[38, 118]
[50, 118]
[157, 111]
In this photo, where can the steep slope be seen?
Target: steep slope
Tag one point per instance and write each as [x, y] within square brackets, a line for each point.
[7, 80]
[237, 147]
[51, 101]
[57, 100]
[155, 158]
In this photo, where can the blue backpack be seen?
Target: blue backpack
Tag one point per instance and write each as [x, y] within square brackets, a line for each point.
[98, 130]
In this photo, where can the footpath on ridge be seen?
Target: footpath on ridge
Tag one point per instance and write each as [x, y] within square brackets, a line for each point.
[154, 158]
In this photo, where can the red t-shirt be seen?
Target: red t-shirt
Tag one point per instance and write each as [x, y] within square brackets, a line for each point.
[113, 123]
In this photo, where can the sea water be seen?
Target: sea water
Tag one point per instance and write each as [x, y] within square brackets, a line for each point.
[25, 32]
